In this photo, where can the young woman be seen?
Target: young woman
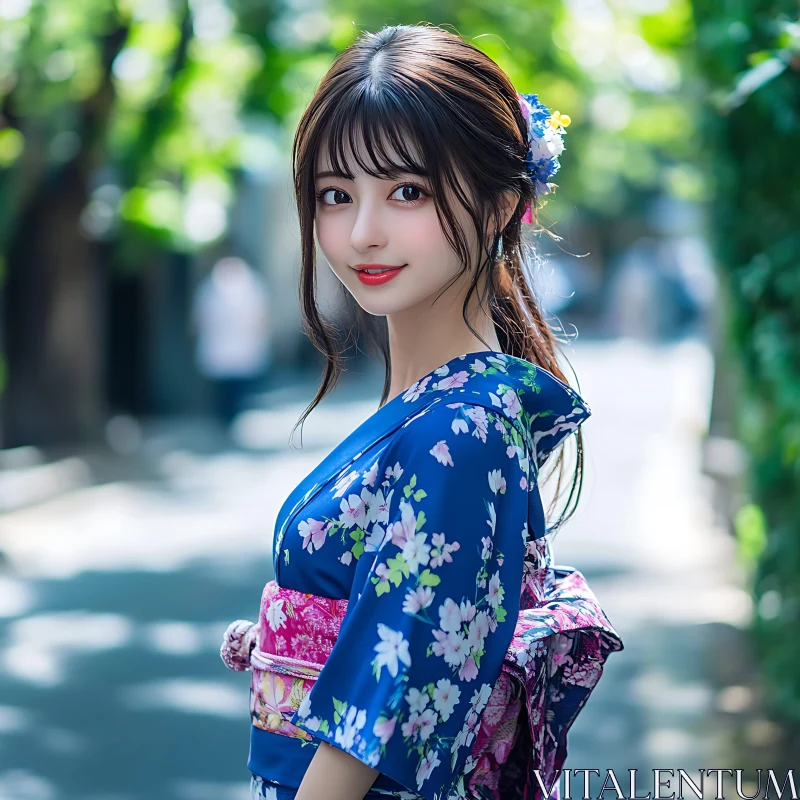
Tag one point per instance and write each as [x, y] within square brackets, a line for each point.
[416, 641]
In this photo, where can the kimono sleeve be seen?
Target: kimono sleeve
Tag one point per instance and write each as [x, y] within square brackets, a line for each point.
[434, 603]
[560, 412]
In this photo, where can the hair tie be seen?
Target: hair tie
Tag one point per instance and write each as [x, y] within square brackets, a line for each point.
[545, 145]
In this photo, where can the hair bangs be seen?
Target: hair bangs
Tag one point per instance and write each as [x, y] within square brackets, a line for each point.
[370, 129]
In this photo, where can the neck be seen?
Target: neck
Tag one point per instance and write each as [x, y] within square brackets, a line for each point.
[424, 337]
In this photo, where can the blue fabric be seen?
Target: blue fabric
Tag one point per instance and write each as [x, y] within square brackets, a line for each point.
[261, 789]
[285, 759]
[421, 519]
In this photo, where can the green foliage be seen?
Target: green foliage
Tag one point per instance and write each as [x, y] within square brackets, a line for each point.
[162, 102]
[160, 94]
[618, 74]
[153, 94]
[749, 56]
[751, 533]
[12, 143]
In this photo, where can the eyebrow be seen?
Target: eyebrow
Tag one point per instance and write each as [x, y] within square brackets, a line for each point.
[332, 174]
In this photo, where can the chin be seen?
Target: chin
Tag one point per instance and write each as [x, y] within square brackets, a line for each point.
[379, 301]
[383, 306]
[395, 296]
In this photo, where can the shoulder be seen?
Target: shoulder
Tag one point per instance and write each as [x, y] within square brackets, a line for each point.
[525, 394]
[457, 437]
[475, 417]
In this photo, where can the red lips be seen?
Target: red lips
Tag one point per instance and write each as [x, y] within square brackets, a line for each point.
[378, 278]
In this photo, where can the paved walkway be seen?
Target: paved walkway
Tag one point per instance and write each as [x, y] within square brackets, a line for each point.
[646, 538]
[115, 596]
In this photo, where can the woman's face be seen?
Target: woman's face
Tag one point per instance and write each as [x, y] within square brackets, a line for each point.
[386, 223]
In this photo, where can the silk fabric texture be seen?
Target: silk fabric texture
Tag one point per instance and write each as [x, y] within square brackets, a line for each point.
[416, 620]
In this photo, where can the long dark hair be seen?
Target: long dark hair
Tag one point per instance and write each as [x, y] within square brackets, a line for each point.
[422, 84]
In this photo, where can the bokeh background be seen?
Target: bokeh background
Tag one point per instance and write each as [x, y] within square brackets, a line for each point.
[153, 365]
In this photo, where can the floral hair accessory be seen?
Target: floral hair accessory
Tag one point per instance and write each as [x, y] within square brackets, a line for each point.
[545, 144]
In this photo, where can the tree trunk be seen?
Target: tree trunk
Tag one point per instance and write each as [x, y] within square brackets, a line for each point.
[54, 320]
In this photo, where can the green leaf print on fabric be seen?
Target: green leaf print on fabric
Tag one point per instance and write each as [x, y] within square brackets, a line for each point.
[428, 627]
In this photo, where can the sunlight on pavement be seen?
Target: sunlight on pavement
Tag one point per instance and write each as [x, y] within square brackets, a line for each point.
[660, 692]
[39, 646]
[196, 790]
[646, 513]
[208, 507]
[25, 477]
[188, 696]
[16, 597]
[12, 719]
[325, 426]
[175, 638]
[19, 784]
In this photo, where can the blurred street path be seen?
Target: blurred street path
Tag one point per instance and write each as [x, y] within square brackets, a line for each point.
[661, 566]
[114, 597]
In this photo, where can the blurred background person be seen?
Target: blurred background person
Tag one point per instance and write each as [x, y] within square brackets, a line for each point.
[231, 318]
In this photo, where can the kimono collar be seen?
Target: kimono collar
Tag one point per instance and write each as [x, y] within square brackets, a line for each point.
[542, 408]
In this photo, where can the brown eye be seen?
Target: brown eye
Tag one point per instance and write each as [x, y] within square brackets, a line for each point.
[408, 193]
[334, 197]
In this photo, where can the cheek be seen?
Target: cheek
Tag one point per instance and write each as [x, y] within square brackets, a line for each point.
[332, 234]
[422, 231]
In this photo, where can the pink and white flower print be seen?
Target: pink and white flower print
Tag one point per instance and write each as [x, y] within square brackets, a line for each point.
[424, 530]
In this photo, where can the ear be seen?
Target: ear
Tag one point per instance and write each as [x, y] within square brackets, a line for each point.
[508, 204]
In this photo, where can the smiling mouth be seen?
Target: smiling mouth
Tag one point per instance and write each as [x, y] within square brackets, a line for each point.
[375, 275]
[377, 270]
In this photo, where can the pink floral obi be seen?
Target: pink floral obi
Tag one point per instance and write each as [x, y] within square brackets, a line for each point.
[553, 663]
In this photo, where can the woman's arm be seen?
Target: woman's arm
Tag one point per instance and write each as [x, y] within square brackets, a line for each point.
[335, 775]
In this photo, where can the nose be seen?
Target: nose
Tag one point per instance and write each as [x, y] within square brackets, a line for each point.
[368, 229]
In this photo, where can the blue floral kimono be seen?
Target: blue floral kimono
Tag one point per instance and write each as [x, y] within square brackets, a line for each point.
[415, 620]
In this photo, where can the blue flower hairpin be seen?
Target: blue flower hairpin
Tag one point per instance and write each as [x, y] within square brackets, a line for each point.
[545, 144]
